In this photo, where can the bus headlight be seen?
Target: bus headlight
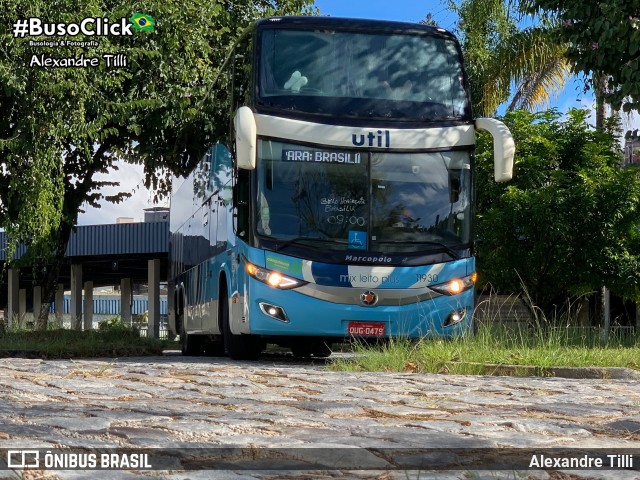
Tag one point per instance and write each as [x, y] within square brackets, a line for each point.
[455, 286]
[272, 278]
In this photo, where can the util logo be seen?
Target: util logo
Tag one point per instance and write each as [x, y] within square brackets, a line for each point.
[381, 138]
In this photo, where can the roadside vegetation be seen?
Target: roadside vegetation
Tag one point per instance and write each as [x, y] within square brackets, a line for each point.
[495, 346]
[538, 347]
[112, 339]
[506, 343]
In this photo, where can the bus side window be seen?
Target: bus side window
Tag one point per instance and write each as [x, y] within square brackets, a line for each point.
[222, 164]
[268, 83]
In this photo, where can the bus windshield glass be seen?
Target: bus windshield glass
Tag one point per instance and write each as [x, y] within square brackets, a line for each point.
[410, 77]
[357, 200]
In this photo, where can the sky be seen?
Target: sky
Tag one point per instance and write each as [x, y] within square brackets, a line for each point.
[131, 177]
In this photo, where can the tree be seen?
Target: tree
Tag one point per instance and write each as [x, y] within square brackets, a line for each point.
[568, 222]
[61, 126]
[602, 37]
[503, 60]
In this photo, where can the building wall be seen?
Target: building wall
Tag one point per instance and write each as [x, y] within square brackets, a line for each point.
[110, 305]
[632, 149]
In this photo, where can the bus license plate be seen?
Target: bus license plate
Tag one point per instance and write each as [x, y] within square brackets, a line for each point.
[366, 329]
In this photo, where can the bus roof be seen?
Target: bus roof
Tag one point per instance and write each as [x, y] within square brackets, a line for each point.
[354, 24]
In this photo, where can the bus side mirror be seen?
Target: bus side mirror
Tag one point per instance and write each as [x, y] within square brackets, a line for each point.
[503, 147]
[245, 125]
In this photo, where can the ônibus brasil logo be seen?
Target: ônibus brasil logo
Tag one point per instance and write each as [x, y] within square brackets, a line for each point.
[143, 22]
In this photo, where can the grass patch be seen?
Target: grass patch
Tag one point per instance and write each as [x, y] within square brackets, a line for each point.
[61, 343]
[498, 345]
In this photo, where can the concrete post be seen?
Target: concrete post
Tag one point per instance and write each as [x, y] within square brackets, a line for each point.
[76, 296]
[60, 305]
[153, 330]
[22, 306]
[88, 306]
[606, 314]
[125, 300]
[13, 309]
[171, 309]
[37, 303]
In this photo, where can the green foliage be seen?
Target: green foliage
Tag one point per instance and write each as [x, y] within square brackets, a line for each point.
[603, 37]
[60, 127]
[117, 325]
[482, 27]
[61, 343]
[568, 223]
[504, 60]
[31, 178]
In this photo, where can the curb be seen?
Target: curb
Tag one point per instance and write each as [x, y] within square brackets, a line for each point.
[20, 353]
[602, 373]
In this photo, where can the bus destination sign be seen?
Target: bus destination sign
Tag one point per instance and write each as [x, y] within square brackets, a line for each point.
[321, 156]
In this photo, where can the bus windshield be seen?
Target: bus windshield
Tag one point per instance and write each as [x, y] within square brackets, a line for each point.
[354, 200]
[410, 77]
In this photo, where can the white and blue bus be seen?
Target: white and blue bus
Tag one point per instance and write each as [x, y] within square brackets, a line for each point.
[341, 203]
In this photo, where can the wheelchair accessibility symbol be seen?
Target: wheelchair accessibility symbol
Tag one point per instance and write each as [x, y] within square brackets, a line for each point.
[357, 240]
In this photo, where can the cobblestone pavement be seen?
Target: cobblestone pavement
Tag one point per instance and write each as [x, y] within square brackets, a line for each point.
[176, 402]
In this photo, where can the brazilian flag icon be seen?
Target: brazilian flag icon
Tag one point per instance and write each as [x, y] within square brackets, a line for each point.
[143, 22]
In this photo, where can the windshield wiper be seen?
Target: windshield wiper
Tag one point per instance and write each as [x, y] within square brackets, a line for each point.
[445, 247]
[287, 243]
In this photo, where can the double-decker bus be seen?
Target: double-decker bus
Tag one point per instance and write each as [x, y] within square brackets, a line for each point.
[341, 202]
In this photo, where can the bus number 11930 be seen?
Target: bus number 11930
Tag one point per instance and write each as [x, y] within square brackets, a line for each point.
[426, 277]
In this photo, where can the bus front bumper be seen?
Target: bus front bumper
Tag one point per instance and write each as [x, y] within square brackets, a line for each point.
[290, 313]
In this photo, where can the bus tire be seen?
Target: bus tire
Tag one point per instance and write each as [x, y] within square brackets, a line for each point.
[192, 345]
[214, 347]
[238, 347]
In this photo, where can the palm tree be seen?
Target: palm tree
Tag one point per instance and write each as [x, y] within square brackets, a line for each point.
[505, 61]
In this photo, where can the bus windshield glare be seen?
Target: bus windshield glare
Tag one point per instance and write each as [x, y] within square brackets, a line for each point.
[358, 200]
[410, 77]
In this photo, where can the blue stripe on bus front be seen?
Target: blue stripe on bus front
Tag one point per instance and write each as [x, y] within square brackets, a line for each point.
[368, 276]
